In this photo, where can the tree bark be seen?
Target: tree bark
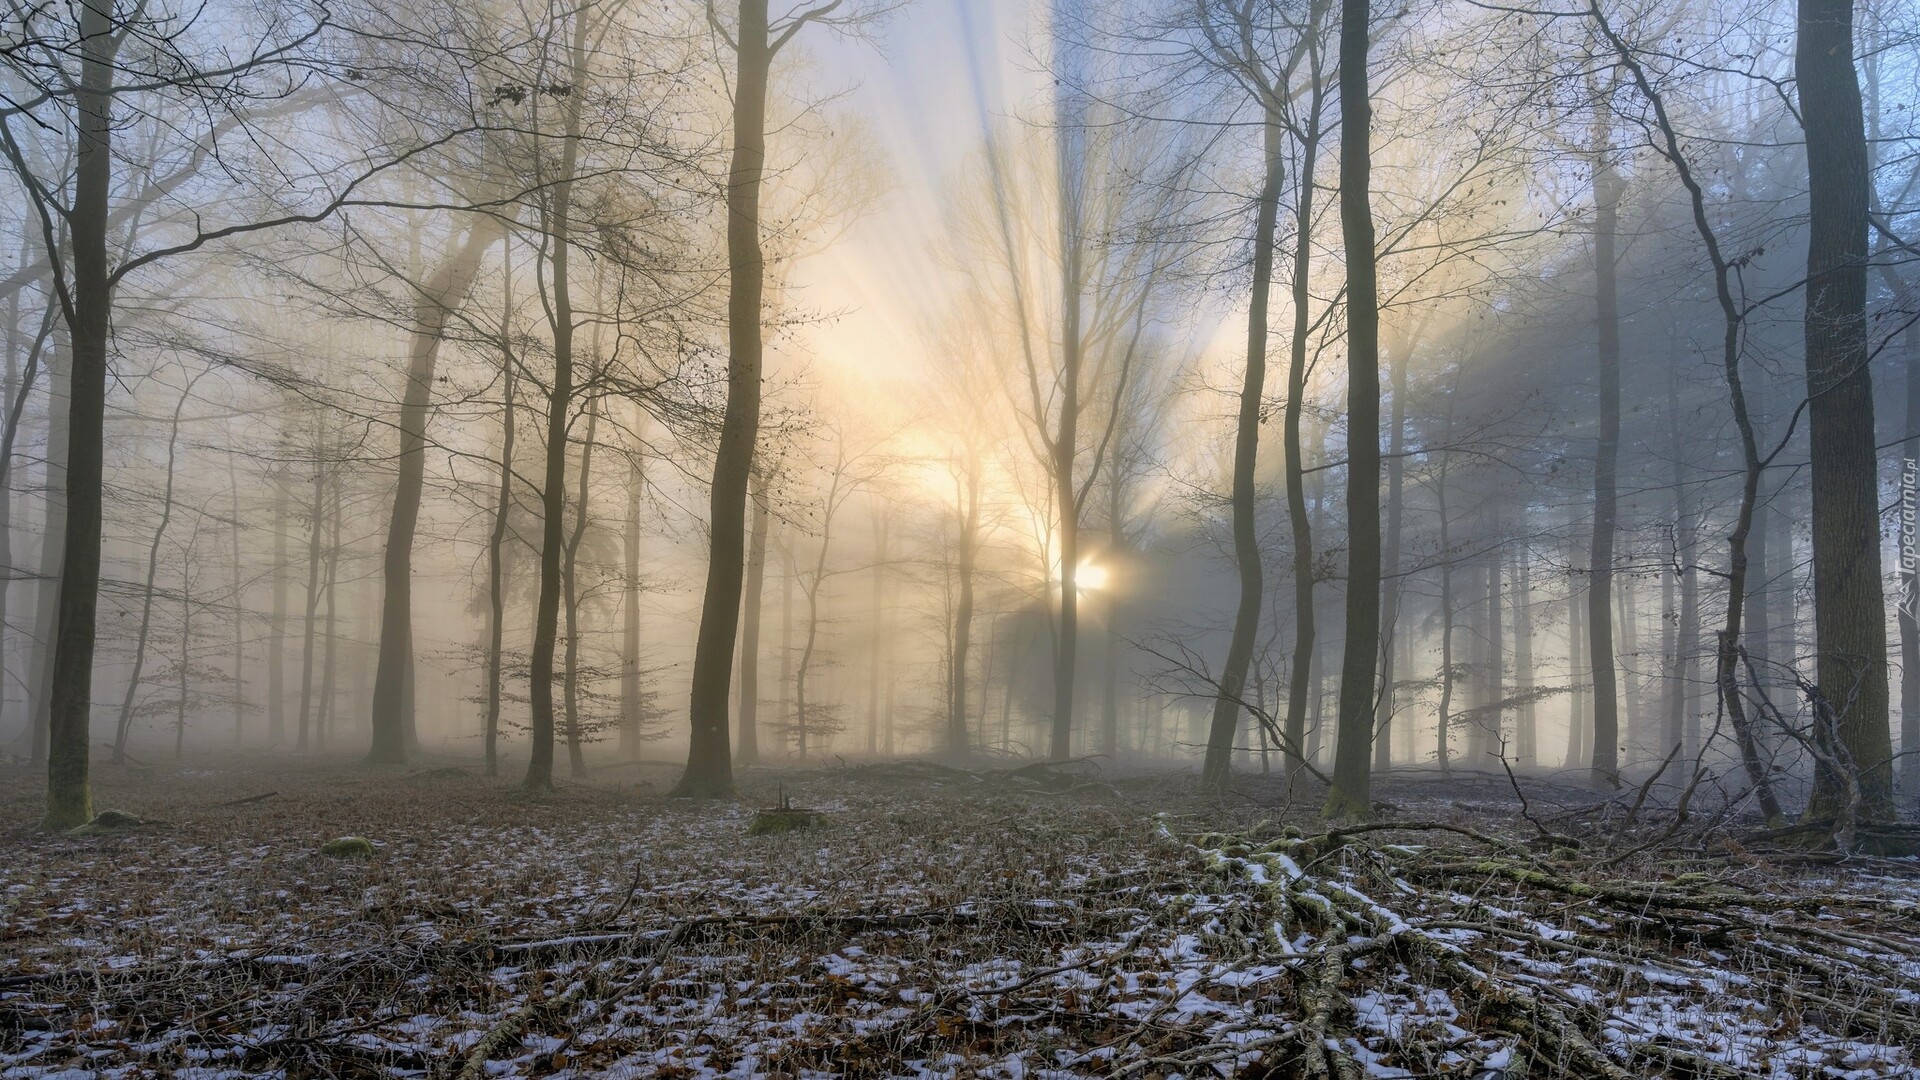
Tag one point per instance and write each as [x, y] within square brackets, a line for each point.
[436, 301]
[125, 725]
[632, 703]
[1606, 459]
[748, 751]
[557, 220]
[1849, 609]
[709, 770]
[957, 740]
[1216, 770]
[1351, 792]
[502, 518]
[569, 581]
[69, 795]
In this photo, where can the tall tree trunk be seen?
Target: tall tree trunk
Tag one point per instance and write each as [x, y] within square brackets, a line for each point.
[1526, 735]
[874, 655]
[277, 629]
[316, 526]
[570, 686]
[1909, 606]
[186, 667]
[153, 567]
[1493, 716]
[1216, 770]
[22, 389]
[53, 539]
[748, 750]
[1577, 693]
[709, 766]
[957, 740]
[1606, 458]
[502, 518]
[1390, 588]
[632, 705]
[328, 695]
[90, 318]
[1351, 793]
[435, 303]
[1849, 610]
[557, 219]
[239, 604]
[1293, 448]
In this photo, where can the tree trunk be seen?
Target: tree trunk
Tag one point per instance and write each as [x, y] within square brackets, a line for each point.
[749, 749]
[70, 688]
[1492, 716]
[1305, 623]
[1909, 605]
[709, 766]
[239, 605]
[632, 705]
[502, 517]
[1849, 610]
[277, 630]
[125, 725]
[16, 409]
[1390, 587]
[557, 219]
[1351, 793]
[957, 741]
[1606, 459]
[1526, 736]
[328, 696]
[436, 301]
[879, 630]
[570, 686]
[1216, 771]
[316, 524]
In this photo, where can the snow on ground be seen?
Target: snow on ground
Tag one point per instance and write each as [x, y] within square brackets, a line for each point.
[927, 929]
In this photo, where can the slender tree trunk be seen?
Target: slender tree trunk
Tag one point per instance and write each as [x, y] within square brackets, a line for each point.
[16, 409]
[328, 695]
[632, 704]
[502, 518]
[1216, 770]
[316, 526]
[69, 795]
[277, 629]
[1526, 735]
[435, 302]
[1492, 716]
[1849, 610]
[1577, 694]
[957, 740]
[153, 567]
[1909, 605]
[1606, 460]
[239, 604]
[748, 752]
[1305, 624]
[1351, 793]
[879, 627]
[570, 686]
[1390, 587]
[186, 666]
[557, 218]
[709, 766]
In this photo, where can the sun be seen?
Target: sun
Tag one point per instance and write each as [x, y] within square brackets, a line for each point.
[1090, 577]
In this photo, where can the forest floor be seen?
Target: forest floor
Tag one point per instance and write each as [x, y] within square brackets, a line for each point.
[935, 922]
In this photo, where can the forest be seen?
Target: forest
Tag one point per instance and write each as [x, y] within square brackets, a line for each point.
[960, 538]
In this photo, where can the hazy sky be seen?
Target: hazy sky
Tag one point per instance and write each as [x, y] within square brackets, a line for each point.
[915, 90]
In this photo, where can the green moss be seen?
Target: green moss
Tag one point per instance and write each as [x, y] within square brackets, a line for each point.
[106, 821]
[348, 847]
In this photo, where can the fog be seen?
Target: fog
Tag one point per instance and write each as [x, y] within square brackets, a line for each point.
[413, 404]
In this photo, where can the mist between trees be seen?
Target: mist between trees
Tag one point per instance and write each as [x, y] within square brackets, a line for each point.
[469, 380]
